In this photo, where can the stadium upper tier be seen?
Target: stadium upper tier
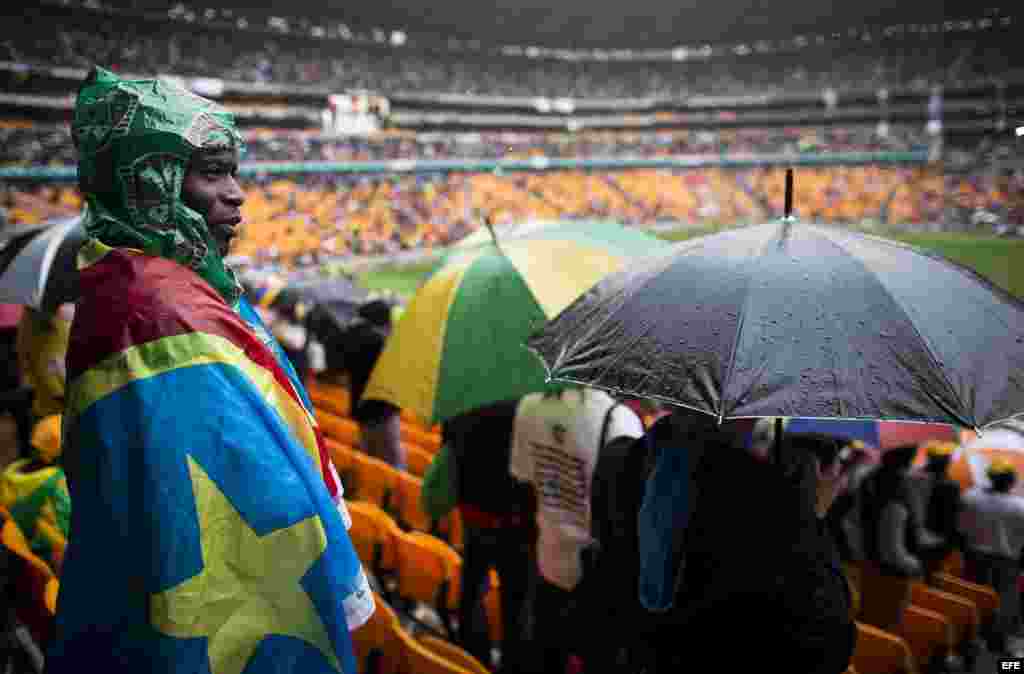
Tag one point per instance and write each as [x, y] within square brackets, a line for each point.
[47, 144]
[76, 37]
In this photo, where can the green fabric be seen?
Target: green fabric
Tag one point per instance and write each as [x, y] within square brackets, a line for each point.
[623, 241]
[50, 501]
[484, 357]
[135, 139]
[438, 495]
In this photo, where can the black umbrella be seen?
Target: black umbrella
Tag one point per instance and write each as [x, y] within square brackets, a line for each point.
[798, 320]
[38, 263]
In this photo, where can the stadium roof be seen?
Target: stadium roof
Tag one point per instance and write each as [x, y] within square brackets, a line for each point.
[618, 23]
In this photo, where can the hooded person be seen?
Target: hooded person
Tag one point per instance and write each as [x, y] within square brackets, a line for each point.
[209, 531]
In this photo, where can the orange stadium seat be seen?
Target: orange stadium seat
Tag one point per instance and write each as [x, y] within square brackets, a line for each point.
[339, 429]
[452, 653]
[881, 652]
[985, 598]
[427, 440]
[377, 644]
[375, 480]
[421, 660]
[375, 537]
[417, 459]
[449, 529]
[429, 572]
[962, 613]
[406, 503]
[492, 606]
[928, 634]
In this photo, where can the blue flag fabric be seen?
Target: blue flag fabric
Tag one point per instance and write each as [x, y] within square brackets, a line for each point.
[203, 536]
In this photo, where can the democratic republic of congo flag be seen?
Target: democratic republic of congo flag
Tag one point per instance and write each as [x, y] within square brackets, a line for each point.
[208, 532]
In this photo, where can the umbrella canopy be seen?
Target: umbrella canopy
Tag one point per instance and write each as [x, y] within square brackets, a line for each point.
[794, 320]
[38, 268]
[340, 298]
[460, 341]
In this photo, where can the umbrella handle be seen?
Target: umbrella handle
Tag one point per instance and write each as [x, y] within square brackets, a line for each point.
[789, 194]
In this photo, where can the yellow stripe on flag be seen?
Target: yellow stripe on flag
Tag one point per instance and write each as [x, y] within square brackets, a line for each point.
[188, 350]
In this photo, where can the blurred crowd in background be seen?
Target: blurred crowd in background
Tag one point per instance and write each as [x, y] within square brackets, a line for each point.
[50, 144]
[251, 56]
[337, 214]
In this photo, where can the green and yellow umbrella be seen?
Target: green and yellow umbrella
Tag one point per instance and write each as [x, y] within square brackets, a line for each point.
[460, 343]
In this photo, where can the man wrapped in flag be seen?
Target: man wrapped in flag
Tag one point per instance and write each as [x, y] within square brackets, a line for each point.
[208, 533]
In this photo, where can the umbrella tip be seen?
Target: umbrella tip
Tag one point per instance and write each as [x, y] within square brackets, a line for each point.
[788, 213]
[490, 228]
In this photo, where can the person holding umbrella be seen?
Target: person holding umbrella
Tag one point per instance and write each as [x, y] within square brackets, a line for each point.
[765, 576]
[497, 514]
[791, 319]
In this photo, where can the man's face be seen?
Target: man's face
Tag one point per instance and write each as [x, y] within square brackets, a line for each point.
[211, 189]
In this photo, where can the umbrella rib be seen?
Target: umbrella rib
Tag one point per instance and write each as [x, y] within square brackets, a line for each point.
[999, 291]
[740, 323]
[924, 341]
[669, 258]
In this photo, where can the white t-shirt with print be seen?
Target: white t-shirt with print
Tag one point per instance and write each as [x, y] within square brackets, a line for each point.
[993, 523]
[554, 447]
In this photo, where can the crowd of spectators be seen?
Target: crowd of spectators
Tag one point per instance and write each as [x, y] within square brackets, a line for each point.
[340, 214]
[39, 145]
[150, 46]
[383, 214]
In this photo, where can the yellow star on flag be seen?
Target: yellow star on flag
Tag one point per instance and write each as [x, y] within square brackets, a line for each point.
[248, 587]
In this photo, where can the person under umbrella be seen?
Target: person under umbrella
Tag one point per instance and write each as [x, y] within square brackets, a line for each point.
[498, 518]
[736, 553]
[379, 420]
[556, 441]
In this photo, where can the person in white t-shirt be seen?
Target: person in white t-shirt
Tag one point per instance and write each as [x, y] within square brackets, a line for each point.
[555, 445]
[992, 522]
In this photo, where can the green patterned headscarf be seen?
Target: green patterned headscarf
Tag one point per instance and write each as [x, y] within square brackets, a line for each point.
[135, 139]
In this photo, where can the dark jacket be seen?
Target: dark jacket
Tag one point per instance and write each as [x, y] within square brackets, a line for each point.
[363, 345]
[481, 442]
[761, 578]
[944, 506]
[880, 489]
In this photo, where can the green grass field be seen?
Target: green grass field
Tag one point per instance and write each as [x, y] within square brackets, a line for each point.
[999, 259]
[403, 280]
